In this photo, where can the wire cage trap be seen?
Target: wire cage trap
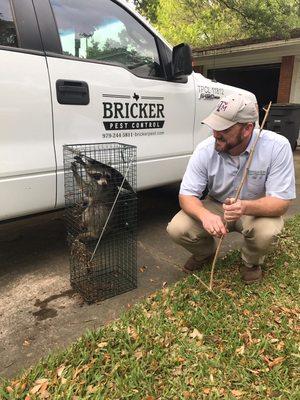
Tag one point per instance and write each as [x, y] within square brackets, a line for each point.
[101, 218]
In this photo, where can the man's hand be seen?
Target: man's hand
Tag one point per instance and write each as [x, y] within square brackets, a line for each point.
[233, 210]
[213, 224]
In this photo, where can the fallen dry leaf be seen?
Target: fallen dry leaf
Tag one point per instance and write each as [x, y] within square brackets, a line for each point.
[196, 335]
[9, 389]
[41, 381]
[240, 350]
[177, 371]
[92, 389]
[247, 337]
[35, 389]
[275, 362]
[102, 345]
[191, 381]
[168, 312]
[44, 387]
[45, 395]
[77, 371]
[59, 370]
[138, 354]
[280, 345]
[237, 393]
[253, 371]
[133, 333]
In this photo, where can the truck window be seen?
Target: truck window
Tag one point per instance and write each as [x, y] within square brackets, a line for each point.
[102, 30]
[8, 34]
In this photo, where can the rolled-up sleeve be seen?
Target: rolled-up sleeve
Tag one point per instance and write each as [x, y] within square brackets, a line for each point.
[195, 178]
[281, 178]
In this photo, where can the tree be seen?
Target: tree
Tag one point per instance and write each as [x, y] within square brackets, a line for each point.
[207, 22]
[8, 36]
[147, 8]
[195, 22]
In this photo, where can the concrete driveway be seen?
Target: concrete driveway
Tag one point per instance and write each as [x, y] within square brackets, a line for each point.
[39, 311]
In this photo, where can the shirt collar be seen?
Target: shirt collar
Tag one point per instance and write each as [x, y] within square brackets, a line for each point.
[251, 142]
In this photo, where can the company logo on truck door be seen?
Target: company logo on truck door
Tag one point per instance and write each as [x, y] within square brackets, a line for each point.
[210, 93]
[138, 112]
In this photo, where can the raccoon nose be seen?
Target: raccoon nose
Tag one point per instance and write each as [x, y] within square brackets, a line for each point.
[103, 182]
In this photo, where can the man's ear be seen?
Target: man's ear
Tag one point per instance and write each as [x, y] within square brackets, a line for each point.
[249, 128]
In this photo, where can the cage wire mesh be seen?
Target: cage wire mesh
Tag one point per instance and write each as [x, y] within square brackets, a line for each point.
[101, 218]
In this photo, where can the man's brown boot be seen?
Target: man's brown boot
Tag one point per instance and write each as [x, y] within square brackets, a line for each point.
[193, 264]
[251, 274]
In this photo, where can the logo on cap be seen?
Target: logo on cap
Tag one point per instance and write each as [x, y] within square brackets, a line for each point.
[222, 106]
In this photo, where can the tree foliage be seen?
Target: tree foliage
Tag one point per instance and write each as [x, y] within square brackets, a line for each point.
[148, 8]
[207, 22]
[8, 36]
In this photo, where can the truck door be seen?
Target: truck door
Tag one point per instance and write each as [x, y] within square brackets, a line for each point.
[108, 81]
[27, 158]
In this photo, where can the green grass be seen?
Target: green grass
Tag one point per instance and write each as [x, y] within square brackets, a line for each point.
[184, 343]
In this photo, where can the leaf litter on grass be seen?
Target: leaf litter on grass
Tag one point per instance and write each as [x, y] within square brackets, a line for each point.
[183, 343]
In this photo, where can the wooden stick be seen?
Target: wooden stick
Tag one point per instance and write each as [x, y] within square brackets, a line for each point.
[245, 174]
[205, 285]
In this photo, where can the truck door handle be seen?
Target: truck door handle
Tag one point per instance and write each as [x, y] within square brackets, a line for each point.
[72, 92]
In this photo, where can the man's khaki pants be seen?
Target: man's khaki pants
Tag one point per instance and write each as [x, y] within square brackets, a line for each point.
[258, 232]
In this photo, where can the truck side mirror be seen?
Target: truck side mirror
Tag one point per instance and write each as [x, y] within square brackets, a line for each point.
[182, 60]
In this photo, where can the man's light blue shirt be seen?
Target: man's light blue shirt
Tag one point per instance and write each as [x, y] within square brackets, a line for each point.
[271, 172]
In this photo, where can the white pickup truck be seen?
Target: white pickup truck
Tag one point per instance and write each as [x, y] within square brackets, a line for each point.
[74, 71]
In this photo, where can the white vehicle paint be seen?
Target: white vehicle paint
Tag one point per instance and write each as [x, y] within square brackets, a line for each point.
[159, 114]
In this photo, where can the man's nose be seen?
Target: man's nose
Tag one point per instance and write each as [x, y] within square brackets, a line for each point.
[217, 134]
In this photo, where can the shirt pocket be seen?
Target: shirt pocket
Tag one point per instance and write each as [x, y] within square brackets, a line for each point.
[255, 186]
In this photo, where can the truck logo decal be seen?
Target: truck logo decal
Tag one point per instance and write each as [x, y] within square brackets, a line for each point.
[210, 93]
[135, 97]
[139, 112]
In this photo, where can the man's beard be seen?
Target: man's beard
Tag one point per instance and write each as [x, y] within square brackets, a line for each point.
[222, 146]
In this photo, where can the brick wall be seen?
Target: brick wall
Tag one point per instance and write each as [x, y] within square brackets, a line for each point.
[285, 80]
[295, 90]
[198, 68]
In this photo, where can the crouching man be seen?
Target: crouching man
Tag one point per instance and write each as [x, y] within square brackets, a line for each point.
[218, 164]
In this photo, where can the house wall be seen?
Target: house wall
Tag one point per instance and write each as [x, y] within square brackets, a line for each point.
[286, 53]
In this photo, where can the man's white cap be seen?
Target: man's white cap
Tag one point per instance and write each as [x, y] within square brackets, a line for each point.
[231, 110]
